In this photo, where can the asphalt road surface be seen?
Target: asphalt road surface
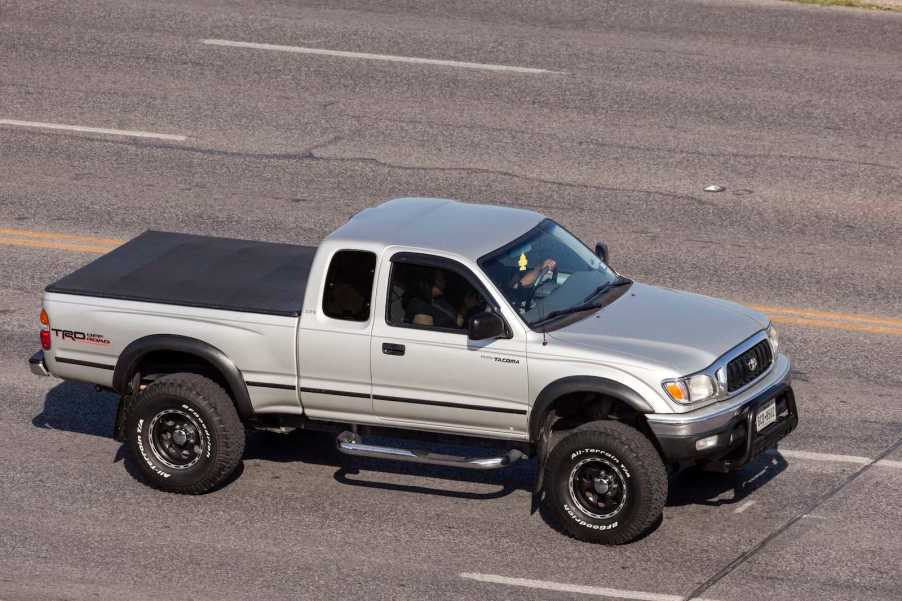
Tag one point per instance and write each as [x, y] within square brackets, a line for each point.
[274, 120]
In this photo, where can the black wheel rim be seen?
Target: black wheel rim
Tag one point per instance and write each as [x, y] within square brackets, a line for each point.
[176, 438]
[598, 488]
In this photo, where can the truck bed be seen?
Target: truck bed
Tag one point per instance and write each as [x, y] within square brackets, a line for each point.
[198, 271]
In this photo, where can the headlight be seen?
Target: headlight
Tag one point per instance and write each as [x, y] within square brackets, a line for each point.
[691, 389]
[774, 339]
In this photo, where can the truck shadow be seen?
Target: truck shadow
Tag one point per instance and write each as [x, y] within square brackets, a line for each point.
[318, 448]
[690, 487]
[79, 408]
[697, 487]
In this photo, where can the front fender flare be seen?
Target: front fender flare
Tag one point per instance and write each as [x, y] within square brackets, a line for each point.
[571, 384]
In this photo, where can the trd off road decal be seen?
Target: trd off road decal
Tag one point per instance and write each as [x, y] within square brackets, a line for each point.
[83, 337]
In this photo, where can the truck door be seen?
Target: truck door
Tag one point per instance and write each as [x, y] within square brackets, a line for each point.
[334, 341]
[426, 371]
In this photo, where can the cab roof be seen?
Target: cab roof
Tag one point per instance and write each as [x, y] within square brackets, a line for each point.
[465, 229]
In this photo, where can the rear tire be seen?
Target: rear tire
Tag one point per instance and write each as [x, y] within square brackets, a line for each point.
[184, 434]
[605, 483]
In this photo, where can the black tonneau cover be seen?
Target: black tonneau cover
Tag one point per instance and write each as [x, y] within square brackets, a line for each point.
[198, 271]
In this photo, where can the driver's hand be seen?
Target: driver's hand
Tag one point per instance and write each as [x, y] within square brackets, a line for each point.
[549, 264]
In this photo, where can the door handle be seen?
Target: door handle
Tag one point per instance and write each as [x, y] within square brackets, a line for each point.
[392, 349]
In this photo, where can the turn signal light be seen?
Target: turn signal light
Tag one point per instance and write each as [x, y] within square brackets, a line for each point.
[676, 390]
[691, 389]
[45, 331]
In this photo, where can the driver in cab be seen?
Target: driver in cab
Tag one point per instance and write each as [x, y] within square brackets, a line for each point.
[515, 278]
[522, 284]
[529, 278]
[430, 307]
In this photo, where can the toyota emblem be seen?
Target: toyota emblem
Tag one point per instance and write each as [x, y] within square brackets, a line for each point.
[752, 364]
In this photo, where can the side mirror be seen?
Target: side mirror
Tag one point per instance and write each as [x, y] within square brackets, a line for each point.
[601, 251]
[486, 325]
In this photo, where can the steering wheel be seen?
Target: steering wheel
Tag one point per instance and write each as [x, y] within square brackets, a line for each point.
[537, 283]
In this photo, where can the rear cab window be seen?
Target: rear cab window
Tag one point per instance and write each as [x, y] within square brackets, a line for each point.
[349, 285]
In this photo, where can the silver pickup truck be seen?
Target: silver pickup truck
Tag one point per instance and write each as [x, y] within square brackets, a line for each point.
[424, 318]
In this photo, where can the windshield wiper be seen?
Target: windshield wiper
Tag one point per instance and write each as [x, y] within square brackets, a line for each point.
[569, 310]
[620, 281]
[586, 306]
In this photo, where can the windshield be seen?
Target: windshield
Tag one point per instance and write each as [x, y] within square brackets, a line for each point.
[547, 272]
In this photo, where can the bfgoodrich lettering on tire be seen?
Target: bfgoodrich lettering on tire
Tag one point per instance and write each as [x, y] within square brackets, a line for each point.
[184, 434]
[605, 483]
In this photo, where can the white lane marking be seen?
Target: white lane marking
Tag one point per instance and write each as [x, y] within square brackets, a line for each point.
[597, 591]
[856, 459]
[823, 456]
[744, 506]
[375, 57]
[93, 130]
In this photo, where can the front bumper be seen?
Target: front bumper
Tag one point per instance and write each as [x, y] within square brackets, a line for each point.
[737, 441]
[36, 363]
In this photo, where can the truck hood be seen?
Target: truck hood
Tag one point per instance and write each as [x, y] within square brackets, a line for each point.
[676, 330]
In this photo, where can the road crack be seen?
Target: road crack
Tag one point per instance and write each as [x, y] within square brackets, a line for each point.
[309, 154]
[747, 555]
[514, 175]
[632, 147]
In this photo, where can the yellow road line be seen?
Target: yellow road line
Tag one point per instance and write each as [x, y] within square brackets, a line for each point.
[814, 314]
[813, 318]
[85, 248]
[12, 231]
[837, 325]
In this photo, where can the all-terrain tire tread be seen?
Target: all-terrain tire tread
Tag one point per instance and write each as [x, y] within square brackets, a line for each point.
[644, 455]
[230, 434]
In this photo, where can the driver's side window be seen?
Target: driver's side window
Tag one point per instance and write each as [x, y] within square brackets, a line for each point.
[425, 296]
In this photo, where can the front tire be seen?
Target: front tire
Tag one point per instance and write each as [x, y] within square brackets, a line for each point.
[184, 434]
[605, 483]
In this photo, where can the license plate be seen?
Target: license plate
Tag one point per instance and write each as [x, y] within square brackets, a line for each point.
[766, 416]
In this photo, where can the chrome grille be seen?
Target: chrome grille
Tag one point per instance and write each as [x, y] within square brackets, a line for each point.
[748, 367]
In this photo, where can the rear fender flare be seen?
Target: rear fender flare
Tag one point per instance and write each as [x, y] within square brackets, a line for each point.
[131, 356]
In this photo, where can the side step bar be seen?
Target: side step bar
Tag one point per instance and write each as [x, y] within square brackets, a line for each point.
[351, 444]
